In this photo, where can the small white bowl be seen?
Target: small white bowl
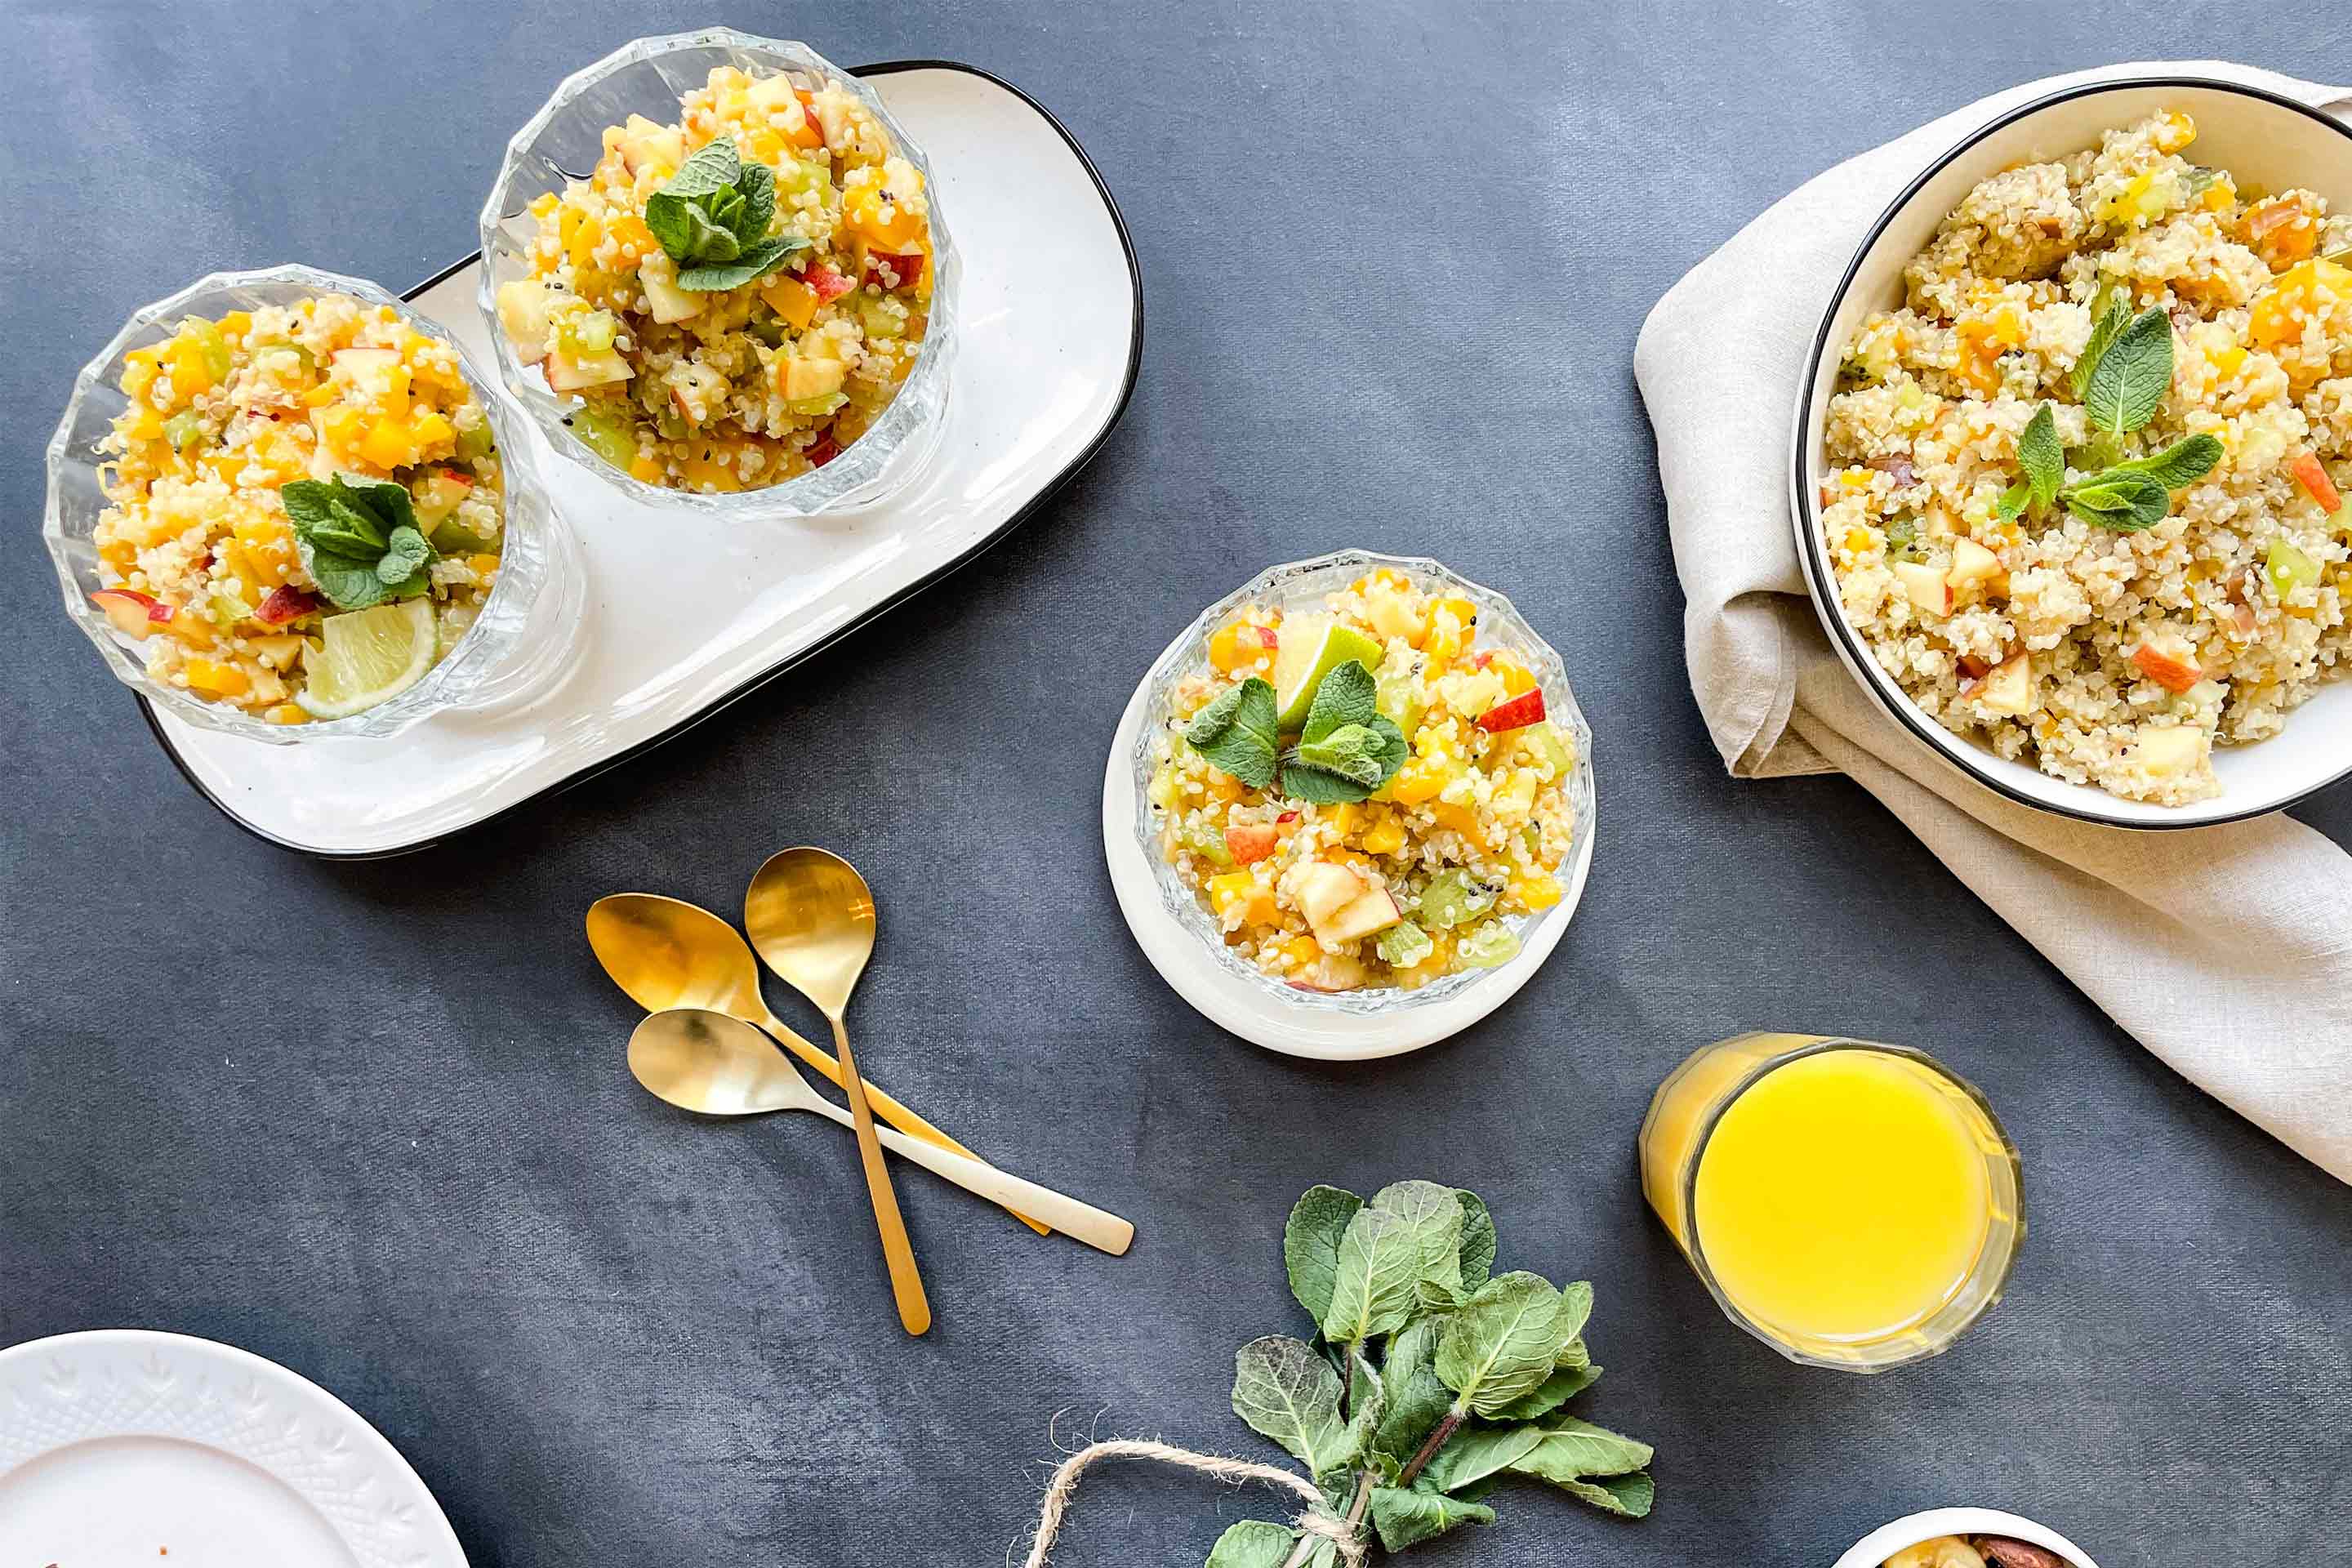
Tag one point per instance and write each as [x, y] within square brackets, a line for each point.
[1912, 1529]
[2262, 138]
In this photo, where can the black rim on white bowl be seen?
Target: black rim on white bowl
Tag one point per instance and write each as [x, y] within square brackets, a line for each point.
[1812, 550]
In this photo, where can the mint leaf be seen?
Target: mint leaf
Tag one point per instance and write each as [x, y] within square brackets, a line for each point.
[358, 541]
[1237, 732]
[1406, 1518]
[1376, 1288]
[1498, 1349]
[2129, 384]
[711, 168]
[1417, 1399]
[1477, 1240]
[757, 186]
[1478, 1451]
[1435, 1219]
[1346, 738]
[673, 221]
[2109, 317]
[1285, 1391]
[2042, 456]
[1310, 1244]
[1351, 751]
[1564, 1385]
[2120, 499]
[405, 554]
[348, 583]
[1627, 1495]
[1347, 695]
[1571, 1448]
[2012, 501]
[756, 260]
[1575, 1311]
[2178, 466]
[1252, 1543]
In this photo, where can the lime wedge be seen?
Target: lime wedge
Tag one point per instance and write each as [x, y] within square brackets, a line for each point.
[371, 655]
[1308, 649]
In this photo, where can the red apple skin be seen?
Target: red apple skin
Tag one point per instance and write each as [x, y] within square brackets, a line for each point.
[908, 266]
[1250, 842]
[284, 603]
[134, 614]
[821, 450]
[1514, 712]
[828, 284]
[2172, 673]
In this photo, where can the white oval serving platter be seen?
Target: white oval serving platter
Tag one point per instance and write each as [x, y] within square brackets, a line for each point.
[125, 1446]
[684, 615]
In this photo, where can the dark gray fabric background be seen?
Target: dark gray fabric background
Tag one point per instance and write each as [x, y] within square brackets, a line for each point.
[373, 1121]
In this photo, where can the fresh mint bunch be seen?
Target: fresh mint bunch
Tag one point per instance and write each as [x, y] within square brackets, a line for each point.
[712, 219]
[358, 540]
[2122, 378]
[1429, 1379]
[1347, 749]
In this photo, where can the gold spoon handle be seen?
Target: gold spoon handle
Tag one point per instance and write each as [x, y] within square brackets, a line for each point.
[906, 1282]
[887, 1109]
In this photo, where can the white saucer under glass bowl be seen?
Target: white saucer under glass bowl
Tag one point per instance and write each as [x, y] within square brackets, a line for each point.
[1186, 942]
[563, 143]
[516, 645]
[132, 1446]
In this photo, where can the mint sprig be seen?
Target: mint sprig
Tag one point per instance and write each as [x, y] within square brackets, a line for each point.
[358, 540]
[2133, 371]
[2044, 459]
[1348, 748]
[711, 218]
[1237, 733]
[1407, 1440]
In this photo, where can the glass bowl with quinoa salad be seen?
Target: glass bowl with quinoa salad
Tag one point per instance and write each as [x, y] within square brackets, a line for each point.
[718, 274]
[1363, 781]
[2082, 491]
[283, 507]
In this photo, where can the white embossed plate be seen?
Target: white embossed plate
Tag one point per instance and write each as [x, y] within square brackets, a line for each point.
[129, 1445]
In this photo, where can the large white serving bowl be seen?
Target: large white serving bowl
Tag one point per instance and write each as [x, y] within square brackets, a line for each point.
[2261, 139]
[1912, 1529]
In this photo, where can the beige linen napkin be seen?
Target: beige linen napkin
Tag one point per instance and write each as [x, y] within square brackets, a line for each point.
[2227, 951]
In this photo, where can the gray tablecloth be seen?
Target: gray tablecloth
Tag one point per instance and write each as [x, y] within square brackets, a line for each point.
[373, 1121]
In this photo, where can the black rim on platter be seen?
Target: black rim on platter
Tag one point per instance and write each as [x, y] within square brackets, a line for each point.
[1816, 557]
[946, 569]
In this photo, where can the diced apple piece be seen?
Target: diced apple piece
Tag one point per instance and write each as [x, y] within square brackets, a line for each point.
[1250, 842]
[1514, 712]
[284, 603]
[812, 377]
[827, 283]
[570, 372]
[1333, 971]
[441, 492]
[2169, 662]
[1371, 911]
[279, 651]
[1325, 888]
[1972, 562]
[645, 144]
[907, 267]
[522, 316]
[132, 613]
[358, 364]
[664, 298]
[2170, 749]
[1924, 586]
[2008, 686]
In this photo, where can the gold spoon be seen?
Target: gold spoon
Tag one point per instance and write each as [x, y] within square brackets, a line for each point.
[714, 1065]
[811, 919]
[665, 952]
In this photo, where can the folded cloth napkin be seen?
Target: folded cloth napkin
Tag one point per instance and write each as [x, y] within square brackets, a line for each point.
[2227, 951]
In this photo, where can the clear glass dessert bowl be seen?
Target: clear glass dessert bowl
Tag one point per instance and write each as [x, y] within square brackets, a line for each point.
[1302, 584]
[515, 644]
[563, 141]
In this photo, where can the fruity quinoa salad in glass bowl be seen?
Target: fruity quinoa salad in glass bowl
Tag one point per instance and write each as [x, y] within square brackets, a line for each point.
[1364, 781]
[283, 507]
[717, 275]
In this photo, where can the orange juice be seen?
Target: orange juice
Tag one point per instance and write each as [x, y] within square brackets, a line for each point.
[1852, 1204]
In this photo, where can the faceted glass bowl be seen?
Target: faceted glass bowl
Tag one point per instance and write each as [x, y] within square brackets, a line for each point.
[488, 662]
[1301, 584]
[563, 140]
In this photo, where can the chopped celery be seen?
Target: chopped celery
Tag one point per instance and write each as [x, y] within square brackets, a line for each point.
[768, 327]
[475, 442]
[2290, 569]
[798, 176]
[882, 318]
[1452, 898]
[1544, 738]
[1491, 943]
[605, 434]
[1404, 944]
[817, 407]
[181, 429]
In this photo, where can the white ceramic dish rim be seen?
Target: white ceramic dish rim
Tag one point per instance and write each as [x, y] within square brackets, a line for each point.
[1022, 514]
[354, 1427]
[1267, 1015]
[1912, 1529]
[1964, 755]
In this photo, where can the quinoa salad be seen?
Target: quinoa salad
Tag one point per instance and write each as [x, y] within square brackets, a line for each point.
[1359, 795]
[305, 508]
[2083, 496]
[735, 296]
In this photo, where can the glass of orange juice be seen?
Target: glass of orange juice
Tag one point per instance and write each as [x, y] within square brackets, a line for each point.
[1852, 1204]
